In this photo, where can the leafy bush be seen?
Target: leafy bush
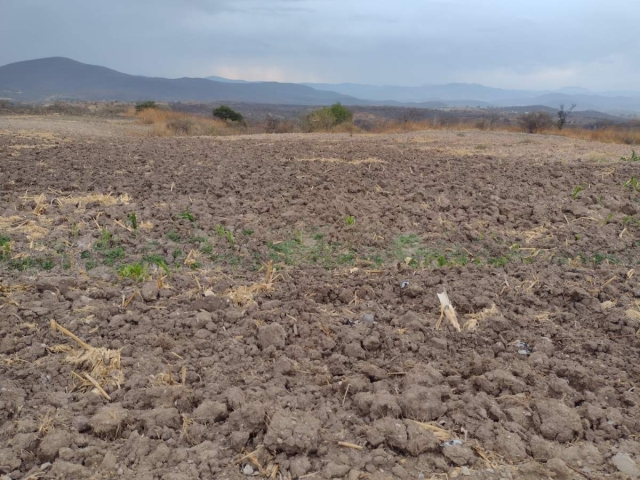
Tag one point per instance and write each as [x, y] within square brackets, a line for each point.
[327, 117]
[534, 121]
[223, 112]
[140, 106]
[341, 113]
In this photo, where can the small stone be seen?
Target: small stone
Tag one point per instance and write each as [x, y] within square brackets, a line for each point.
[336, 470]
[272, 334]
[625, 464]
[149, 291]
[369, 318]
[247, 470]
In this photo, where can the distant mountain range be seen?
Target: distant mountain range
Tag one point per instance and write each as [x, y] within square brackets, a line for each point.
[53, 78]
[61, 78]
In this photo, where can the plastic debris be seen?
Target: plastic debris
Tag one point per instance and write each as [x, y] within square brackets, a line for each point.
[451, 443]
[523, 347]
[404, 284]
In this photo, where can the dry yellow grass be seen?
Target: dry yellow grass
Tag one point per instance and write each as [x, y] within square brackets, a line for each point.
[340, 160]
[626, 135]
[167, 123]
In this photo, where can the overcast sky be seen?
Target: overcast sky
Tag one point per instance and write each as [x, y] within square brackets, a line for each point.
[532, 44]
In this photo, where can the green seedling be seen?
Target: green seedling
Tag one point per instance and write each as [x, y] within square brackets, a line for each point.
[350, 220]
[134, 223]
[297, 236]
[135, 271]
[113, 255]
[5, 247]
[230, 238]
[25, 263]
[85, 254]
[176, 253]
[633, 184]
[576, 191]
[158, 260]
[173, 236]
[221, 231]
[105, 240]
[633, 158]
[207, 248]
[247, 232]
[631, 221]
[608, 219]
[75, 230]
[187, 215]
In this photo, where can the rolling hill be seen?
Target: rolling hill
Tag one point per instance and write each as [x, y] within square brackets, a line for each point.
[62, 78]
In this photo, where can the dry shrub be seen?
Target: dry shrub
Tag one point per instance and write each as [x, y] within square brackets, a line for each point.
[277, 125]
[167, 123]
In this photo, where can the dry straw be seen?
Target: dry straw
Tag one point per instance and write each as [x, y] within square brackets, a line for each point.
[98, 367]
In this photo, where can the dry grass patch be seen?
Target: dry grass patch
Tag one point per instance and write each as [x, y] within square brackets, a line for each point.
[167, 123]
[99, 198]
[340, 160]
[98, 367]
[244, 295]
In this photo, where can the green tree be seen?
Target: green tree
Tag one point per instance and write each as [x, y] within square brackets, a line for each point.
[340, 113]
[223, 112]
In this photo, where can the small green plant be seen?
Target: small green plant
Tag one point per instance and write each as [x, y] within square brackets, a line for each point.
[499, 261]
[105, 241]
[66, 262]
[631, 220]
[187, 215]
[75, 230]
[158, 260]
[633, 184]
[173, 236]
[85, 254]
[176, 253]
[297, 236]
[221, 231]
[350, 220]
[140, 106]
[207, 248]
[247, 232]
[199, 240]
[134, 223]
[135, 271]
[633, 158]
[608, 219]
[112, 255]
[5, 247]
[576, 191]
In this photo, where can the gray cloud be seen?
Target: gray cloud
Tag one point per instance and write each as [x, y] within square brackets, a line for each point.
[534, 44]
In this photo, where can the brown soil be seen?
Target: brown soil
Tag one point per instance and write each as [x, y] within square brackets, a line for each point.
[212, 365]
